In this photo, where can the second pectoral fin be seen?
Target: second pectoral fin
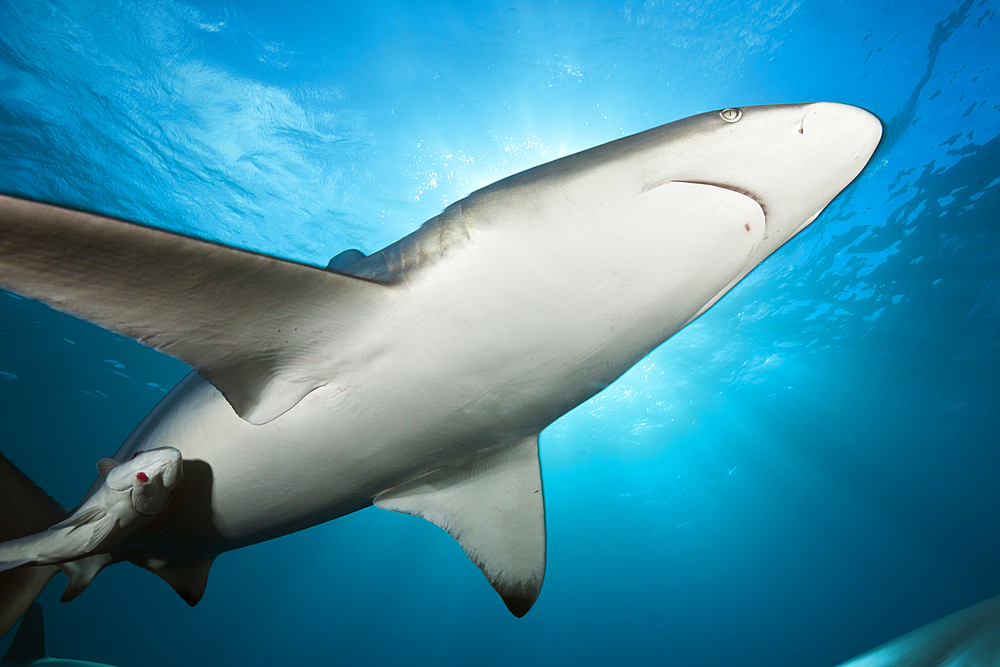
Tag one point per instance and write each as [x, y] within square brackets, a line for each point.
[494, 508]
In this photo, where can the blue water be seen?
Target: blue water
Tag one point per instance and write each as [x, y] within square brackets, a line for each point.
[806, 471]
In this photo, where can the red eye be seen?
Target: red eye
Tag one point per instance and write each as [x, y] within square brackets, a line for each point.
[142, 477]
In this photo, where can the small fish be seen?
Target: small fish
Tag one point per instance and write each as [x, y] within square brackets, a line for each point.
[133, 492]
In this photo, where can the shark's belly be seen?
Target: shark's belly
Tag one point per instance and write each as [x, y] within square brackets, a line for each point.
[244, 483]
[342, 445]
[331, 455]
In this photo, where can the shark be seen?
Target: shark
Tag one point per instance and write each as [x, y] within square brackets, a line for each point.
[968, 638]
[28, 647]
[417, 378]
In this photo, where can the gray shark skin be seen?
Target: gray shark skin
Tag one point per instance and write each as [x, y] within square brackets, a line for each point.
[967, 638]
[28, 647]
[418, 378]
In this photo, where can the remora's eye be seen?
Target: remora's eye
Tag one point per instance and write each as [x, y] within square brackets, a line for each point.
[142, 477]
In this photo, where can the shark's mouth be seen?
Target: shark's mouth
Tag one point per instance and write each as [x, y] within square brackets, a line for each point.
[731, 188]
[739, 191]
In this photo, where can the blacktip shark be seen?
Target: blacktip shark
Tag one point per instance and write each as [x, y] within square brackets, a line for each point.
[967, 638]
[417, 379]
[28, 647]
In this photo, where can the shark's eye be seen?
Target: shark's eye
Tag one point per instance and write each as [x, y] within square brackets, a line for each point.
[731, 115]
[142, 477]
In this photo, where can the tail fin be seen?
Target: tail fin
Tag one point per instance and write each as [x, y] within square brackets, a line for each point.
[24, 509]
[29, 642]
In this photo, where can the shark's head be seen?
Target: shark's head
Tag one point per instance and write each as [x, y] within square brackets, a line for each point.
[152, 475]
[625, 198]
[793, 159]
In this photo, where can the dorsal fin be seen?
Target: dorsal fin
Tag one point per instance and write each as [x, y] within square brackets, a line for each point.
[105, 466]
[342, 261]
[494, 508]
[29, 642]
[260, 329]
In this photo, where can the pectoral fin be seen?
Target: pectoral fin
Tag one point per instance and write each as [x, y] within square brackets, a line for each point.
[495, 510]
[78, 519]
[100, 528]
[81, 572]
[96, 521]
[187, 579]
[260, 329]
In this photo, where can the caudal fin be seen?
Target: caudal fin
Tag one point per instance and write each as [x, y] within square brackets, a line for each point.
[29, 642]
[24, 509]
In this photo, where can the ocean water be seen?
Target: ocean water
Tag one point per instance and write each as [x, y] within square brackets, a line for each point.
[808, 470]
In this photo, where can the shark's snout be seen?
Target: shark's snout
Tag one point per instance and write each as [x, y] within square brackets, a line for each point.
[854, 131]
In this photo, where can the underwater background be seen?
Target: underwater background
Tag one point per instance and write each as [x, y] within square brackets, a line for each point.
[808, 470]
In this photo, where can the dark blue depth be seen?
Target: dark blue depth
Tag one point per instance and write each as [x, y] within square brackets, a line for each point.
[808, 470]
